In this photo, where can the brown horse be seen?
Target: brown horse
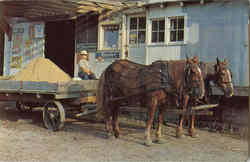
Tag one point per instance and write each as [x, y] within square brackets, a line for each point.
[221, 76]
[151, 86]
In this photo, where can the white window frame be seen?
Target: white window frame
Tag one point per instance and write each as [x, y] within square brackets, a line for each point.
[128, 34]
[101, 37]
[167, 31]
[168, 18]
[151, 31]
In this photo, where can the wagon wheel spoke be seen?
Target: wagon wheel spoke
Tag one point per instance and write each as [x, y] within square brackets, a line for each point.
[53, 115]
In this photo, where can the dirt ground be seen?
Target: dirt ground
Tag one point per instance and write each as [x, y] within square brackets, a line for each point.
[23, 137]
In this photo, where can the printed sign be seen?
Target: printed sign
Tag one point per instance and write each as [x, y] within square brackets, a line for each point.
[39, 31]
[107, 56]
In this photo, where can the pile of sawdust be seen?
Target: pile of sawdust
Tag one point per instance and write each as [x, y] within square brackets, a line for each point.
[41, 69]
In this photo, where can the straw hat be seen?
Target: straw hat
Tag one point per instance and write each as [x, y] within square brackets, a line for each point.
[83, 52]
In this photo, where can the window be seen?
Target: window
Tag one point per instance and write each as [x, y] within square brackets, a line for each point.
[137, 30]
[158, 31]
[176, 29]
[87, 29]
[111, 36]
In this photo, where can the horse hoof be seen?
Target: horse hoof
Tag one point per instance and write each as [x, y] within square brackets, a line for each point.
[193, 134]
[117, 135]
[179, 134]
[160, 141]
[148, 143]
[110, 136]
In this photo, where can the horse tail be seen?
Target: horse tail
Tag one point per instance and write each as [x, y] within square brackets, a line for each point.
[100, 97]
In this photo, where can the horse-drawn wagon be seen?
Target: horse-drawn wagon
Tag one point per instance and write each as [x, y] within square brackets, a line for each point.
[57, 100]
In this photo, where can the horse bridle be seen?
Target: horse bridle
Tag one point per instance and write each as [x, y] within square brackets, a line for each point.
[187, 79]
[219, 73]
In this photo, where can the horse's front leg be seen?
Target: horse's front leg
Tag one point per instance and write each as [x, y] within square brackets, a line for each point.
[191, 130]
[150, 117]
[162, 111]
[179, 130]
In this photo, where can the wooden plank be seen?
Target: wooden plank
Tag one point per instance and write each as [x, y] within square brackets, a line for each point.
[25, 97]
[67, 95]
[66, 88]
[27, 86]
[85, 113]
[179, 111]
[78, 86]
[200, 107]
[170, 110]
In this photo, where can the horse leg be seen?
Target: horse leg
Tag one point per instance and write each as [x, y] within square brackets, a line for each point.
[191, 130]
[108, 126]
[179, 130]
[150, 116]
[161, 115]
[115, 122]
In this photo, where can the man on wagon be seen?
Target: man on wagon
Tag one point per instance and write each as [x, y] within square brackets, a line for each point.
[84, 70]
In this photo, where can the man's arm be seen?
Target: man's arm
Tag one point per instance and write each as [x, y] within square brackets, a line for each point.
[84, 67]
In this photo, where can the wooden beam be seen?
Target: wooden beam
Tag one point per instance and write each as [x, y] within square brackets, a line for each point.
[5, 27]
[51, 18]
[88, 8]
[107, 2]
[43, 4]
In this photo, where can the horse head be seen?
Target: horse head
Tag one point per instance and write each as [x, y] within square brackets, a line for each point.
[193, 80]
[223, 77]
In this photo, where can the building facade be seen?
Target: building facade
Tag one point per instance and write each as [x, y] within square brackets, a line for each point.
[170, 30]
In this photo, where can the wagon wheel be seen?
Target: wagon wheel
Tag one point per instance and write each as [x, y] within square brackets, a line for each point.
[53, 115]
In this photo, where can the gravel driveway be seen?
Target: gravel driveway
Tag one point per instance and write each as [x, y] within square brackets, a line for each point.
[23, 137]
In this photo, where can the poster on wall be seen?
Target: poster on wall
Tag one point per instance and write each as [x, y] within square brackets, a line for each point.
[39, 30]
[17, 40]
[27, 44]
[16, 62]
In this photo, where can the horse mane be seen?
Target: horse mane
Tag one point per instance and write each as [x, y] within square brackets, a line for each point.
[207, 68]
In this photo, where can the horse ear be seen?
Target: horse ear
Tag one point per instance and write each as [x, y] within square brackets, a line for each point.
[225, 61]
[218, 61]
[188, 59]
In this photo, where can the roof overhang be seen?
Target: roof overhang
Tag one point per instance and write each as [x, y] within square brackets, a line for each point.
[54, 10]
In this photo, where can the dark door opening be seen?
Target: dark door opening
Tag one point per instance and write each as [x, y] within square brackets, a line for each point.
[60, 44]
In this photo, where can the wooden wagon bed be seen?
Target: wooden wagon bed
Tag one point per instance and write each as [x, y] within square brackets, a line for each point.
[54, 98]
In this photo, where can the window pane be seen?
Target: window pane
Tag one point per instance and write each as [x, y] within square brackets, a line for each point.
[154, 37]
[173, 24]
[161, 36]
[181, 23]
[180, 35]
[133, 23]
[173, 36]
[110, 38]
[132, 37]
[155, 25]
[162, 24]
[142, 23]
[141, 36]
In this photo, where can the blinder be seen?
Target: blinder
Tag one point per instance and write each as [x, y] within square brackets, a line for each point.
[189, 83]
